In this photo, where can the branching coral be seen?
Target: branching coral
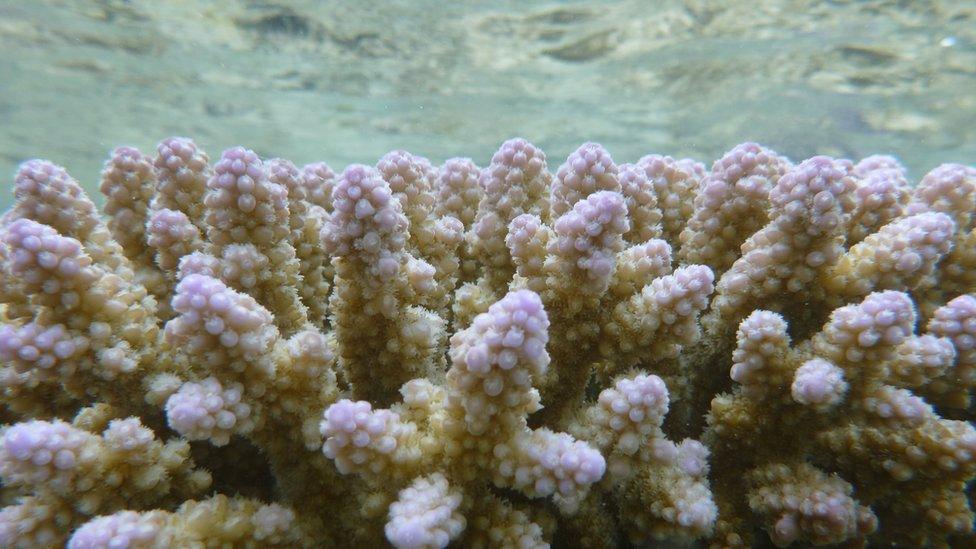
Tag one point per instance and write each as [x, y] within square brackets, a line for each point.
[256, 354]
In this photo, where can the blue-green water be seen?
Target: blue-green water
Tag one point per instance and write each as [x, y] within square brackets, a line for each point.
[347, 81]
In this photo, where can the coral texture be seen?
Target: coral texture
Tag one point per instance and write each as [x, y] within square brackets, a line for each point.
[253, 354]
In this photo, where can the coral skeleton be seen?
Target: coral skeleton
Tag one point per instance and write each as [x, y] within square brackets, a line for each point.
[247, 353]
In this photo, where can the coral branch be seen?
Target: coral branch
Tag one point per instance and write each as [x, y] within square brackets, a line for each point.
[253, 354]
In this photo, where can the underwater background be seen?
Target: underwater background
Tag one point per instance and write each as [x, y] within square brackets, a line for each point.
[348, 81]
[593, 352]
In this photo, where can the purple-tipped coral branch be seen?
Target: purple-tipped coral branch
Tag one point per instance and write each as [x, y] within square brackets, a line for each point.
[257, 355]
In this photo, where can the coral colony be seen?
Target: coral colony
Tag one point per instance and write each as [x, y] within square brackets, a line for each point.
[250, 354]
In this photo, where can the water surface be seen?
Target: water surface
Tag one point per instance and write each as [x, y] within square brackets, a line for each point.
[348, 81]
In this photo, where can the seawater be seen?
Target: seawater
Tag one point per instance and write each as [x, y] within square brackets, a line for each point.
[348, 81]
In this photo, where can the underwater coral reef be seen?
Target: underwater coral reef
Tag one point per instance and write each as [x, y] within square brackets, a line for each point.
[252, 354]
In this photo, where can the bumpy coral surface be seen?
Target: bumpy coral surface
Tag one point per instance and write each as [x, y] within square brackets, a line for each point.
[252, 354]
